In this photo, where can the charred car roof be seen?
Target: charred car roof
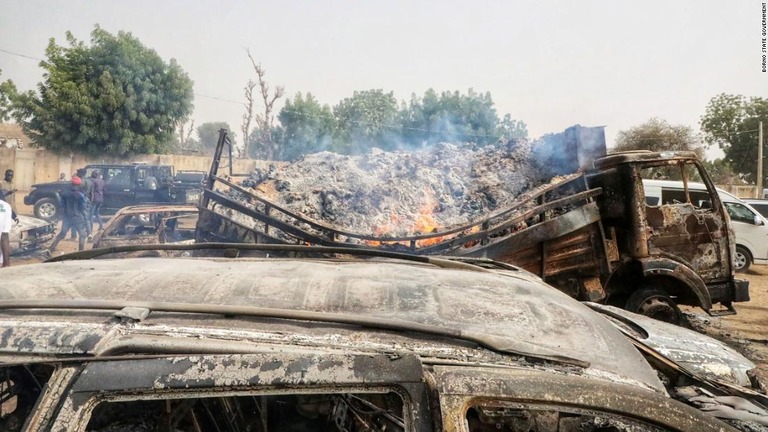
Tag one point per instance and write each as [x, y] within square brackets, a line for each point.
[405, 303]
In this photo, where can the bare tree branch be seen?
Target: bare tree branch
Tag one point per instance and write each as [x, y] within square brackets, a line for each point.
[248, 116]
[264, 121]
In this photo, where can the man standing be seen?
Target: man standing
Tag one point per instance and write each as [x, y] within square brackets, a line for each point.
[5, 230]
[87, 189]
[98, 199]
[7, 185]
[73, 206]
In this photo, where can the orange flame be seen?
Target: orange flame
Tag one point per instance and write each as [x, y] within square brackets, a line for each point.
[425, 223]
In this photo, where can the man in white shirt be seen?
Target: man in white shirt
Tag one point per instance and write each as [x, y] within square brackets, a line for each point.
[5, 229]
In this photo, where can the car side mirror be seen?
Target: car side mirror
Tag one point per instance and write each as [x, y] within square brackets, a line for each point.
[758, 220]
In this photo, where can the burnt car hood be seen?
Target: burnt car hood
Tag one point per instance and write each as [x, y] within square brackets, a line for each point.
[518, 312]
[701, 354]
[19, 235]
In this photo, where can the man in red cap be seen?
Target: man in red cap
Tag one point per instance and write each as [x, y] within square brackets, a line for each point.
[73, 206]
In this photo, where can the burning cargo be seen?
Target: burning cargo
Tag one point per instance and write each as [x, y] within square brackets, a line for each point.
[557, 207]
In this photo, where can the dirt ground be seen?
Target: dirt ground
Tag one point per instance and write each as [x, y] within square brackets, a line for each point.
[747, 331]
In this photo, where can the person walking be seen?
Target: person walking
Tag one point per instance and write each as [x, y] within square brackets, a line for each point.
[5, 233]
[9, 194]
[86, 188]
[98, 199]
[73, 206]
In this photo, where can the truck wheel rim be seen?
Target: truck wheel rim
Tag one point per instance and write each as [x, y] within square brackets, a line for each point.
[47, 210]
[658, 308]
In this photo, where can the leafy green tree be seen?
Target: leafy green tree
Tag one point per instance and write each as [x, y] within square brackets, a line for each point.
[367, 119]
[208, 134]
[7, 93]
[308, 127]
[114, 96]
[451, 117]
[720, 171]
[731, 122]
[510, 129]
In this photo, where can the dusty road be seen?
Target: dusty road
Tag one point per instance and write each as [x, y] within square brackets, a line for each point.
[746, 331]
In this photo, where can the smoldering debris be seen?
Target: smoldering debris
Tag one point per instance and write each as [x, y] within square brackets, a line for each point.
[401, 193]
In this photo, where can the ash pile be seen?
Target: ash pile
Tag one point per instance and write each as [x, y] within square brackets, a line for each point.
[400, 194]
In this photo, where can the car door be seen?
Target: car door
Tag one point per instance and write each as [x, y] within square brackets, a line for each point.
[491, 399]
[119, 188]
[748, 233]
[685, 225]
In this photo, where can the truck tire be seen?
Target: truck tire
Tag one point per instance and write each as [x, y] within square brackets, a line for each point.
[654, 303]
[47, 209]
[742, 260]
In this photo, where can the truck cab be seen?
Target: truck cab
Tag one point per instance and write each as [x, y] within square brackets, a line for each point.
[668, 252]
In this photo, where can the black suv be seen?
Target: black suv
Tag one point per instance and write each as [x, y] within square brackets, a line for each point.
[125, 185]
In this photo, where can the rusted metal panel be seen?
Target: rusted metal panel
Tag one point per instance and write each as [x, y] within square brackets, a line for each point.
[694, 236]
[593, 289]
[514, 309]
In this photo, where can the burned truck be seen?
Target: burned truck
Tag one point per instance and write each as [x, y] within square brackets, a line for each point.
[587, 231]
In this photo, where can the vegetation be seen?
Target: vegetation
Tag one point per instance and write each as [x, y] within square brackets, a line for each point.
[373, 118]
[7, 91]
[658, 135]
[114, 96]
[732, 122]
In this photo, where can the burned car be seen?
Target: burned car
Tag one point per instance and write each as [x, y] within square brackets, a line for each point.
[316, 339]
[30, 234]
[149, 224]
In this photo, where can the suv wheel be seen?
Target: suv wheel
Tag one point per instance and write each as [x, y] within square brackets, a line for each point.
[742, 260]
[654, 303]
[47, 209]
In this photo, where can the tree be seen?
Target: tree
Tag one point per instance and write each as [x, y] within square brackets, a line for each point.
[208, 133]
[731, 122]
[113, 97]
[658, 135]
[7, 93]
[367, 119]
[184, 140]
[264, 146]
[308, 127]
[510, 129]
[452, 117]
[720, 171]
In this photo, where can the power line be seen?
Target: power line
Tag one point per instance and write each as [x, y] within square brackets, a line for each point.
[20, 55]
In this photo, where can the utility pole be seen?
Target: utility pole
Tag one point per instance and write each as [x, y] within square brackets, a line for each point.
[760, 162]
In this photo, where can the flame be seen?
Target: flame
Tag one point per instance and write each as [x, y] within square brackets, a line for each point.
[424, 223]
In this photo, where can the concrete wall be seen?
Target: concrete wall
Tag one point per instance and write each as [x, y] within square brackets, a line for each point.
[33, 166]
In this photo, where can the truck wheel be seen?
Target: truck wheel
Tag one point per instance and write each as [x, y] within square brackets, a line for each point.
[654, 303]
[742, 260]
[47, 209]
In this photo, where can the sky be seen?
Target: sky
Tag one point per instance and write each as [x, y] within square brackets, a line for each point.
[551, 64]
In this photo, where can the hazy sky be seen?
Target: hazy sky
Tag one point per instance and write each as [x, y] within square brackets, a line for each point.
[551, 64]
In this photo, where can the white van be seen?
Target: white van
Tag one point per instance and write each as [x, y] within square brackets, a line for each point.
[750, 226]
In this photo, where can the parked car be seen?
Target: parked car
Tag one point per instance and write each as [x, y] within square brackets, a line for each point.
[125, 185]
[30, 234]
[761, 205]
[324, 339]
[750, 227]
[149, 224]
